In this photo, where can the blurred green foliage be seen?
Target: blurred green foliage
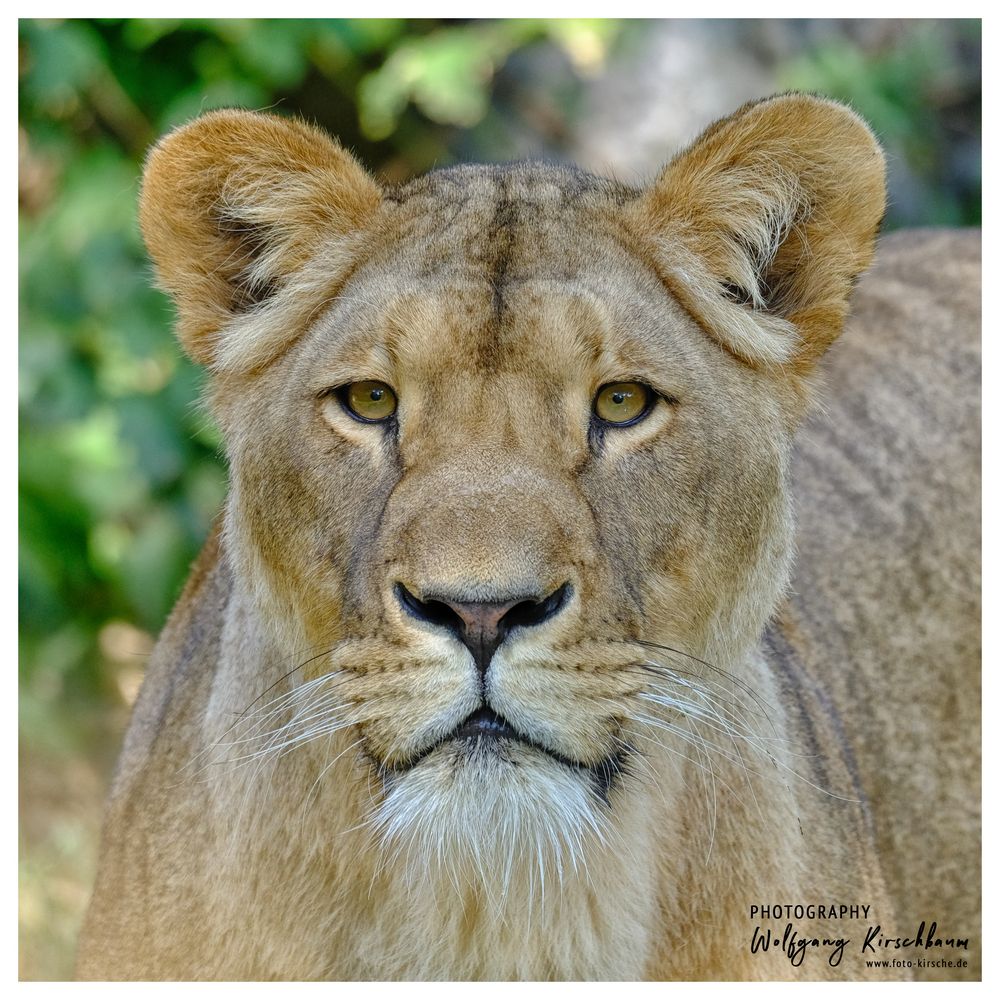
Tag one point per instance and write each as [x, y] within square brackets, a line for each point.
[922, 97]
[121, 474]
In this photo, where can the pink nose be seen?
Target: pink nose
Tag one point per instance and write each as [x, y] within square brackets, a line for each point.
[483, 626]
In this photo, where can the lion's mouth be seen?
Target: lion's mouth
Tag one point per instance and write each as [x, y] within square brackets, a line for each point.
[485, 724]
[486, 732]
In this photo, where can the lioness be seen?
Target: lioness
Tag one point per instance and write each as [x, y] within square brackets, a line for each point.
[491, 669]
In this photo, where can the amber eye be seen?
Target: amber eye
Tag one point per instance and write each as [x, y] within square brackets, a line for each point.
[623, 402]
[370, 401]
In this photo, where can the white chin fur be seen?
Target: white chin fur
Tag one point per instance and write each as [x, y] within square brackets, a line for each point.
[490, 817]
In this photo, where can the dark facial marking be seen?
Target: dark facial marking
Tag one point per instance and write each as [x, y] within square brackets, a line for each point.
[501, 240]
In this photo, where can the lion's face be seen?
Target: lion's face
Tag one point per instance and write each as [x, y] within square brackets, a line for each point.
[486, 561]
[507, 586]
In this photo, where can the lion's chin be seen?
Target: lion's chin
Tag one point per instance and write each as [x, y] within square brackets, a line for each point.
[483, 807]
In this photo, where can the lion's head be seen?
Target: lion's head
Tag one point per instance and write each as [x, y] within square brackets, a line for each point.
[508, 444]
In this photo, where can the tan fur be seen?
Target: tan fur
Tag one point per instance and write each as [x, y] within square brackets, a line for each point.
[285, 807]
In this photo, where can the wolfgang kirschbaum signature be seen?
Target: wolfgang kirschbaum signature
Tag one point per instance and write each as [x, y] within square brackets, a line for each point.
[927, 947]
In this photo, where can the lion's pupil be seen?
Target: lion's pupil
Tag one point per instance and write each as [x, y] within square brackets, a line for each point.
[618, 398]
[376, 395]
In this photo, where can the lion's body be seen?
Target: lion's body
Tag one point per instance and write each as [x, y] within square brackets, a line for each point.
[884, 616]
[342, 833]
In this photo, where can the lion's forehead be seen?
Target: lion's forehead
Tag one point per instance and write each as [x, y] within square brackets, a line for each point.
[604, 319]
[533, 182]
[504, 268]
[506, 224]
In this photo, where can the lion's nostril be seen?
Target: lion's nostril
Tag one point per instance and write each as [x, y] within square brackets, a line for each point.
[534, 612]
[433, 611]
[481, 625]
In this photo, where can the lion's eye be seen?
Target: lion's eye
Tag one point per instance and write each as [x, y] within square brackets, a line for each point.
[623, 403]
[370, 401]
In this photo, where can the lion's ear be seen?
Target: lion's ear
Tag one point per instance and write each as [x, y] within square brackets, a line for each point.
[234, 204]
[763, 224]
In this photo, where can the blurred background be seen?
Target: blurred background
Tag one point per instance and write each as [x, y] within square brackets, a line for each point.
[120, 468]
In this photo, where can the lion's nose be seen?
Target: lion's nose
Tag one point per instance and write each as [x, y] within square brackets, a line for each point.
[480, 625]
